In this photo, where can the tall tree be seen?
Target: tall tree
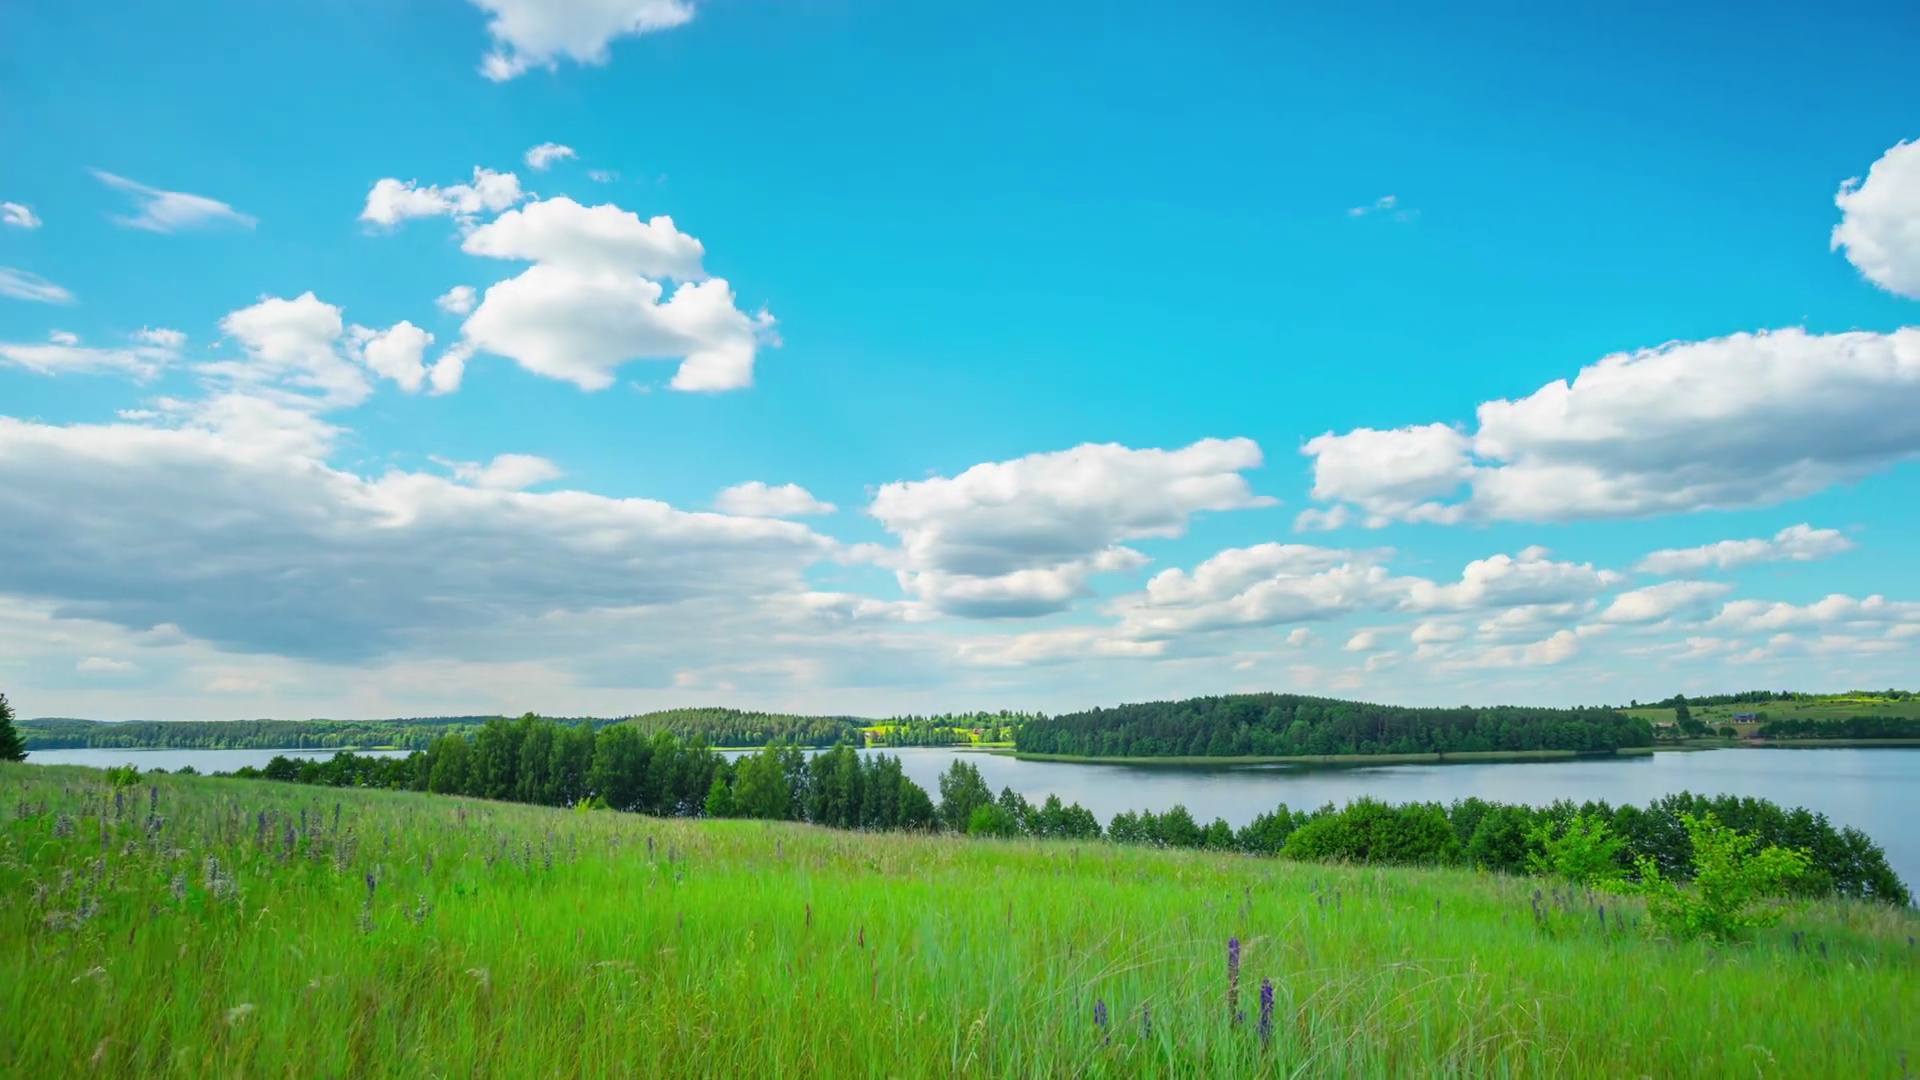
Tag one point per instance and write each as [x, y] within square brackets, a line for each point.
[11, 748]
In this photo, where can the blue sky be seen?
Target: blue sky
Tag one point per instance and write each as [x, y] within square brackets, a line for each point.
[1137, 351]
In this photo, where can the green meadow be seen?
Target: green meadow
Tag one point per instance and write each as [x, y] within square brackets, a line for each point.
[197, 927]
[1825, 707]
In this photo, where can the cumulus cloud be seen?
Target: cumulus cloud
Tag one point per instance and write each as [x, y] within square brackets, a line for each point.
[63, 354]
[507, 472]
[1795, 543]
[171, 211]
[1686, 599]
[1505, 581]
[300, 353]
[542, 157]
[25, 285]
[590, 239]
[591, 301]
[540, 33]
[1021, 537]
[391, 201]
[265, 548]
[103, 665]
[458, 300]
[757, 499]
[1838, 609]
[1364, 641]
[1744, 420]
[1880, 221]
[18, 216]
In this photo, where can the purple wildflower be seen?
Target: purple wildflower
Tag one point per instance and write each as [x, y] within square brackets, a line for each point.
[1100, 1020]
[1146, 1020]
[1266, 1011]
[1233, 978]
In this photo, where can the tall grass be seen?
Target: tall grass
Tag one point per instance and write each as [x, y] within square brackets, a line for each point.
[195, 927]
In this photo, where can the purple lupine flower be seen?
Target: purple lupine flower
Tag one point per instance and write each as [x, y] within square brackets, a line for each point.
[1266, 1011]
[1146, 1020]
[1100, 1020]
[1233, 978]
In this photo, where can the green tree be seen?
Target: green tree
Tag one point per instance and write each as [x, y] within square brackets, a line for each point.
[961, 792]
[1733, 880]
[11, 748]
[992, 819]
[719, 798]
[1584, 851]
[760, 785]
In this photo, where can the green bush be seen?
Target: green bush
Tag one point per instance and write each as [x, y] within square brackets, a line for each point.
[1370, 831]
[123, 776]
[992, 819]
[1734, 880]
[1583, 850]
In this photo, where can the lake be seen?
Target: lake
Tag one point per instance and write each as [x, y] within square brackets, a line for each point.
[1874, 790]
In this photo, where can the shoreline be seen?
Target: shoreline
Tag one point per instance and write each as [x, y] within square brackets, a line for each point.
[1434, 758]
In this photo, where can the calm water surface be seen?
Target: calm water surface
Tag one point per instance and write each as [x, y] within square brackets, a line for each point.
[1874, 790]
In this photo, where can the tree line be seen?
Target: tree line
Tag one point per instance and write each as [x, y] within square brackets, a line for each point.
[1849, 727]
[1288, 725]
[740, 728]
[56, 733]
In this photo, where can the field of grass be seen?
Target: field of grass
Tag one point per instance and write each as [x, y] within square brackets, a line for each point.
[201, 927]
[1835, 707]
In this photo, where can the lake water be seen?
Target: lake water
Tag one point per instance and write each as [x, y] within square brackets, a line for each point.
[1874, 790]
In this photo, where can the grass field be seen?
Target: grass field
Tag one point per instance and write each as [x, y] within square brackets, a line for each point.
[1835, 707]
[203, 927]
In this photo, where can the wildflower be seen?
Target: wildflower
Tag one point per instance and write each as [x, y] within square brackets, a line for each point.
[1100, 1020]
[1266, 1011]
[178, 886]
[1146, 1020]
[1233, 977]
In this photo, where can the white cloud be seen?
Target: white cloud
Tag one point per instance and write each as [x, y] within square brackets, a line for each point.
[1436, 633]
[590, 302]
[1503, 581]
[1300, 637]
[1364, 641]
[102, 665]
[161, 338]
[300, 353]
[391, 201]
[542, 157]
[171, 211]
[1557, 649]
[1385, 205]
[1687, 599]
[757, 499]
[602, 176]
[25, 285]
[1880, 221]
[1021, 537]
[262, 547]
[539, 33]
[458, 300]
[590, 239]
[394, 353]
[63, 354]
[18, 216]
[1744, 420]
[508, 472]
[1750, 616]
[1795, 543]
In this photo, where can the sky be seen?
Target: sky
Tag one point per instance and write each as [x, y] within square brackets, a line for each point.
[369, 358]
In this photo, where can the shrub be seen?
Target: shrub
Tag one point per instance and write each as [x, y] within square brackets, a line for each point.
[1584, 850]
[992, 819]
[1370, 831]
[123, 776]
[1732, 884]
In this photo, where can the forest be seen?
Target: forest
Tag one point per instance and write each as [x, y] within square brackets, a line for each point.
[1848, 727]
[1288, 725]
[54, 733]
[738, 728]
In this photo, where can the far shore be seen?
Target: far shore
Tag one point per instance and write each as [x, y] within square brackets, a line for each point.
[1460, 757]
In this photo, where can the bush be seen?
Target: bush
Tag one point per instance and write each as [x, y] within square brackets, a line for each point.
[992, 819]
[1584, 850]
[1732, 883]
[123, 776]
[1369, 831]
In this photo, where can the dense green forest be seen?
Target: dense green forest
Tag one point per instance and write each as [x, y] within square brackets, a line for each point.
[949, 729]
[1850, 727]
[1762, 697]
[1286, 725]
[56, 733]
[737, 728]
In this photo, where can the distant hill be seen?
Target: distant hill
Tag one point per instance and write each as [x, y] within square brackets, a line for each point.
[67, 733]
[737, 727]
